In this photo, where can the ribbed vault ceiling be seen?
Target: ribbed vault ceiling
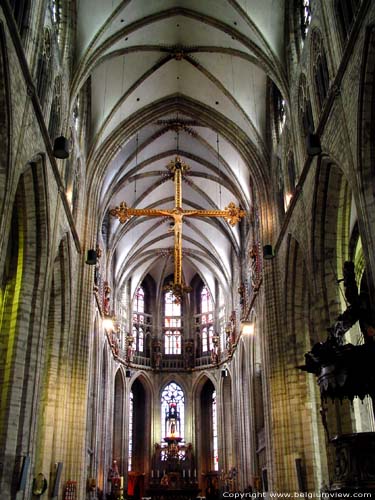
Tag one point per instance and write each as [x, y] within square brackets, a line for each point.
[186, 77]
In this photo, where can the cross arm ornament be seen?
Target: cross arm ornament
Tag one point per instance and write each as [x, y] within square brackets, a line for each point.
[123, 212]
[177, 167]
[231, 213]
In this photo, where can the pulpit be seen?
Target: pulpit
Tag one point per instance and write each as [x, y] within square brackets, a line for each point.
[346, 371]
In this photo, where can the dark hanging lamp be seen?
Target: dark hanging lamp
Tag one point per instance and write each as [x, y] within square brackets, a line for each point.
[61, 148]
[91, 257]
[313, 146]
[268, 252]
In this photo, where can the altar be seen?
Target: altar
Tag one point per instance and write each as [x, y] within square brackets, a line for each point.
[174, 473]
[162, 493]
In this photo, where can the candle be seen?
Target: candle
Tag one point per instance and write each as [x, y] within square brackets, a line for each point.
[157, 472]
[195, 472]
[183, 473]
[152, 473]
[189, 472]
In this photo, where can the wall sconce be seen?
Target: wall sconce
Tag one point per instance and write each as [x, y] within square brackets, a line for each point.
[313, 146]
[224, 373]
[247, 328]
[128, 373]
[268, 252]
[91, 257]
[61, 148]
[108, 324]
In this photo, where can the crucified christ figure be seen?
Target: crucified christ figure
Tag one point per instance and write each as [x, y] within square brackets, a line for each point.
[231, 213]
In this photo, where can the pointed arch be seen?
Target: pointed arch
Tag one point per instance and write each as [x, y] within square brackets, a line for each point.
[118, 439]
[104, 459]
[207, 443]
[319, 69]
[334, 224]
[330, 233]
[229, 458]
[366, 151]
[5, 121]
[22, 325]
[21, 12]
[244, 415]
[140, 426]
[92, 427]
[54, 399]
[306, 439]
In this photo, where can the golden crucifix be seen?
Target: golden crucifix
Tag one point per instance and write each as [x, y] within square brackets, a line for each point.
[231, 213]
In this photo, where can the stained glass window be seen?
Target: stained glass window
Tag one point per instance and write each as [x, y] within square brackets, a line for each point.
[172, 392]
[172, 325]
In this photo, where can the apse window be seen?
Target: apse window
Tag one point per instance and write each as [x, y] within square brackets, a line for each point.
[172, 325]
[172, 395]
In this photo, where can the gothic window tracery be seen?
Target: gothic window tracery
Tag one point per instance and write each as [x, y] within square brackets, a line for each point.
[320, 68]
[172, 392]
[305, 109]
[55, 116]
[21, 10]
[43, 73]
[346, 11]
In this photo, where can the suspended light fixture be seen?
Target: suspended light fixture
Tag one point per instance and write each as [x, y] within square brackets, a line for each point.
[313, 146]
[91, 257]
[268, 252]
[61, 148]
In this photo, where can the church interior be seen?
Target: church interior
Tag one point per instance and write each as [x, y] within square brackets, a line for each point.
[187, 234]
